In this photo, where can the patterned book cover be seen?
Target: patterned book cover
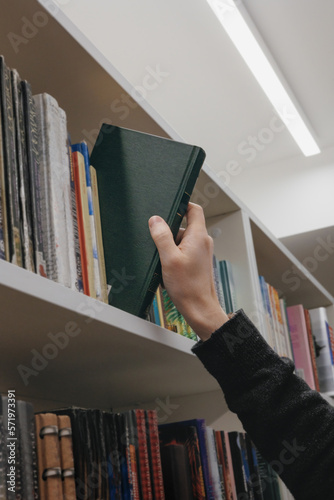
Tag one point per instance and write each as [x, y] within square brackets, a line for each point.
[186, 435]
[138, 417]
[154, 454]
[78, 264]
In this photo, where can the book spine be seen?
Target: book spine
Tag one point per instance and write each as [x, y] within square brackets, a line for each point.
[97, 282]
[142, 454]
[41, 186]
[99, 240]
[58, 191]
[12, 190]
[311, 347]
[318, 318]
[300, 343]
[48, 453]
[213, 464]
[66, 457]
[84, 229]
[78, 264]
[23, 179]
[4, 242]
[65, 181]
[25, 415]
[32, 137]
[155, 459]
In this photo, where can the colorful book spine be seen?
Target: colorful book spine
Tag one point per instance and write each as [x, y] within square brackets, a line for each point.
[84, 227]
[154, 454]
[83, 149]
[300, 344]
[215, 478]
[142, 454]
[78, 275]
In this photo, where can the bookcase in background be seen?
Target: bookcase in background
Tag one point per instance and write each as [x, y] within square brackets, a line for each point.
[109, 358]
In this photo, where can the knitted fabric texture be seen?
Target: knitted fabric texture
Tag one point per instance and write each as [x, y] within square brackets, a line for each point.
[291, 425]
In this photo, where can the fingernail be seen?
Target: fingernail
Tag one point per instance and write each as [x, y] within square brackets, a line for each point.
[154, 220]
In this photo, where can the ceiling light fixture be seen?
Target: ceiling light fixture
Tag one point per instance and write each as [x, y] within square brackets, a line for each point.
[257, 60]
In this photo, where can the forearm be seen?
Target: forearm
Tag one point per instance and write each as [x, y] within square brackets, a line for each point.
[291, 425]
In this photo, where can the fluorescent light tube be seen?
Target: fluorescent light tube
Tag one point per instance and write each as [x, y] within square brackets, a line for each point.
[238, 30]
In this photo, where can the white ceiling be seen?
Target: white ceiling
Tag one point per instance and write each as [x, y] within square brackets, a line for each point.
[300, 37]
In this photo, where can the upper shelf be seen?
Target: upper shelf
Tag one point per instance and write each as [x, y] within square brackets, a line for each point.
[101, 357]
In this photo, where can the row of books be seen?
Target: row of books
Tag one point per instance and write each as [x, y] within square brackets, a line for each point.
[85, 453]
[303, 335]
[49, 209]
[164, 313]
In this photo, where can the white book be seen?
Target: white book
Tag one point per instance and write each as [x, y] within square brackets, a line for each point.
[213, 463]
[57, 183]
[324, 360]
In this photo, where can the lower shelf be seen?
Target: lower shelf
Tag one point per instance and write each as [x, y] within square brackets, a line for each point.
[61, 346]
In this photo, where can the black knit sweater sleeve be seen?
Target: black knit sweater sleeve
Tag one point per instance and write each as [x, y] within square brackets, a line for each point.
[291, 425]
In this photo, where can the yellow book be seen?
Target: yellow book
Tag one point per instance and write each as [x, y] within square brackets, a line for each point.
[99, 241]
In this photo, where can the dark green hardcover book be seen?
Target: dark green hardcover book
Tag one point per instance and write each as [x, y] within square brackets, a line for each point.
[139, 175]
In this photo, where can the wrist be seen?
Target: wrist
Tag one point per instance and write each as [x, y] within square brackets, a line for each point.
[206, 321]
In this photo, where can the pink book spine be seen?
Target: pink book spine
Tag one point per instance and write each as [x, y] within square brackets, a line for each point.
[300, 346]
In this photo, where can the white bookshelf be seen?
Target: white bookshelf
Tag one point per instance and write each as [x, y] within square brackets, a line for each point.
[118, 360]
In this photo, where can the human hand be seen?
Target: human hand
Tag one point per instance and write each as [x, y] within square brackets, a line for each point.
[187, 271]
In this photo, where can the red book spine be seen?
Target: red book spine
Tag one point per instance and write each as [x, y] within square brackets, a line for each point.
[81, 228]
[144, 465]
[154, 449]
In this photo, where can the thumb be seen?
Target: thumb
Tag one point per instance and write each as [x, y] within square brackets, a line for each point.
[162, 236]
